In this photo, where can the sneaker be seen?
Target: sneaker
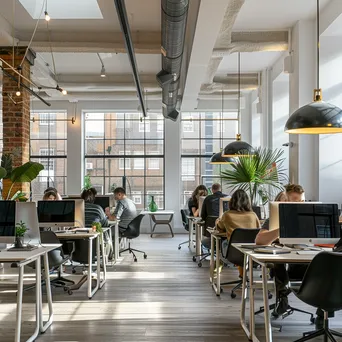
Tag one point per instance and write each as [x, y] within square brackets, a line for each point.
[281, 307]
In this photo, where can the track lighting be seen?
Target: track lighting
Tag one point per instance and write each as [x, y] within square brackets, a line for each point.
[47, 17]
[63, 91]
[103, 71]
[18, 93]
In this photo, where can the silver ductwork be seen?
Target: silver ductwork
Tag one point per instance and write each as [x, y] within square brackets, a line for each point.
[174, 18]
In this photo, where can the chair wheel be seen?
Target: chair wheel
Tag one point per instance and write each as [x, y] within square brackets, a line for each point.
[194, 259]
[65, 289]
[135, 259]
[221, 289]
[233, 295]
[179, 247]
[145, 256]
[73, 271]
[199, 264]
[70, 292]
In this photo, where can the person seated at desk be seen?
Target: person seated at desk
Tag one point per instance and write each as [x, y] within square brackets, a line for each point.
[50, 196]
[239, 215]
[293, 193]
[58, 196]
[211, 204]
[125, 209]
[193, 202]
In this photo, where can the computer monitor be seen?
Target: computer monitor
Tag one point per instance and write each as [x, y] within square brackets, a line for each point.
[56, 213]
[104, 201]
[27, 212]
[223, 205]
[7, 222]
[79, 211]
[308, 223]
[274, 213]
[257, 211]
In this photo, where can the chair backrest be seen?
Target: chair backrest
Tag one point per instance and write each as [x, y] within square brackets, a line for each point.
[209, 223]
[56, 257]
[133, 228]
[240, 235]
[185, 221]
[322, 283]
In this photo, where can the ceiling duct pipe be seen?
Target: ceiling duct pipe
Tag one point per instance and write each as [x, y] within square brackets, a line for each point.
[174, 18]
[122, 15]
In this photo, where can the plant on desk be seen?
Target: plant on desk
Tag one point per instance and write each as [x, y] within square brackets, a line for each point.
[97, 227]
[20, 230]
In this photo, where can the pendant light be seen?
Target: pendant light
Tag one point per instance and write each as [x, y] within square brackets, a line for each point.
[217, 158]
[317, 117]
[236, 148]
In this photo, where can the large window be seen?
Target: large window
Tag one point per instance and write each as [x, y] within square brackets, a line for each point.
[119, 145]
[48, 146]
[1, 134]
[204, 133]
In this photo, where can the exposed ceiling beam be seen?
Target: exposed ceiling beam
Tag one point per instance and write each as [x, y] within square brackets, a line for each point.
[210, 16]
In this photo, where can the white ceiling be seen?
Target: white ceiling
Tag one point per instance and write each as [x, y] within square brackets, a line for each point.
[274, 14]
[250, 61]
[89, 63]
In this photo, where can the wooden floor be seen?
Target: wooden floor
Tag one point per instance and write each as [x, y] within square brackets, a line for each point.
[161, 299]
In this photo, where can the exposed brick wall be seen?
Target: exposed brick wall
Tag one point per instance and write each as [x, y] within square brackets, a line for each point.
[16, 122]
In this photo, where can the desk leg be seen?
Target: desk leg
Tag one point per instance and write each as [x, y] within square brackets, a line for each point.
[116, 242]
[251, 298]
[19, 303]
[212, 261]
[268, 328]
[90, 268]
[104, 265]
[218, 273]
[169, 224]
[244, 298]
[198, 240]
[44, 327]
[151, 225]
[190, 233]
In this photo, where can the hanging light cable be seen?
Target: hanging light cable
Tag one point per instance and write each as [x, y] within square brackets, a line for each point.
[238, 147]
[217, 158]
[47, 17]
[103, 69]
[317, 117]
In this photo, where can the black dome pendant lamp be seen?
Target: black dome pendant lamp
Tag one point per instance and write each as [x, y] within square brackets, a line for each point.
[217, 158]
[238, 148]
[317, 117]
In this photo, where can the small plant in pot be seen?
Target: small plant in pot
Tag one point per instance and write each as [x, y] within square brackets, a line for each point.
[97, 227]
[20, 230]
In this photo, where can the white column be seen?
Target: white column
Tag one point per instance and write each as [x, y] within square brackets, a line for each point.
[75, 154]
[246, 119]
[304, 155]
[266, 116]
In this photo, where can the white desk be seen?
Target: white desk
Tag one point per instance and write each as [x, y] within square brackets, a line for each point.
[168, 213]
[70, 235]
[192, 232]
[263, 260]
[22, 259]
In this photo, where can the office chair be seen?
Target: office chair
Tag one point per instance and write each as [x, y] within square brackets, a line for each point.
[185, 221]
[322, 289]
[234, 256]
[132, 232]
[57, 260]
[206, 240]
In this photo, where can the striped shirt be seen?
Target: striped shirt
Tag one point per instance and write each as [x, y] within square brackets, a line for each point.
[94, 213]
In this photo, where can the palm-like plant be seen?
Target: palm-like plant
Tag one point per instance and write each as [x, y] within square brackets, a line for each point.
[260, 174]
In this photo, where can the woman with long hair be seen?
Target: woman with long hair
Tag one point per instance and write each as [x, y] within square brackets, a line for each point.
[193, 203]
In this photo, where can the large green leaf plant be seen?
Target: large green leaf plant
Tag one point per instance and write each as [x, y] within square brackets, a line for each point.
[21, 174]
[260, 173]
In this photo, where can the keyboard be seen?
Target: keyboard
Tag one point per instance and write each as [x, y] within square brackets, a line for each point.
[307, 252]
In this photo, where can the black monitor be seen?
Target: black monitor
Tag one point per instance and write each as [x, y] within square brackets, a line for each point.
[307, 223]
[56, 213]
[257, 211]
[104, 201]
[7, 221]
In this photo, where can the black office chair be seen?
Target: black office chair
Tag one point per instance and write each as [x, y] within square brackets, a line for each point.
[234, 256]
[185, 221]
[132, 232]
[322, 288]
[57, 260]
[206, 239]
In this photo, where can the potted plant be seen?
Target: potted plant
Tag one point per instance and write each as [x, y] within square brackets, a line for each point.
[20, 230]
[87, 183]
[260, 174]
[97, 227]
[21, 174]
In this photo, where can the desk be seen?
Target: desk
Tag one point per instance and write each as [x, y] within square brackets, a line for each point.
[22, 259]
[215, 239]
[263, 260]
[69, 235]
[166, 221]
[193, 233]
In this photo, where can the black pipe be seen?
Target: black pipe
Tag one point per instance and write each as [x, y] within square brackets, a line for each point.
[122, 15]
[24, 86]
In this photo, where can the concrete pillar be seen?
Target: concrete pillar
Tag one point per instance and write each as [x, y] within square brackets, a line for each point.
[304, 155]
[16, 114]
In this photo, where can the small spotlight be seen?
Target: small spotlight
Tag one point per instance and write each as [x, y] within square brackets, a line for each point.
[47, 17]
[18, 93]
[103, 72]
[64, 92]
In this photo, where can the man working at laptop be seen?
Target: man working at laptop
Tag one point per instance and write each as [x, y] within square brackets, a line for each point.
[292, 193]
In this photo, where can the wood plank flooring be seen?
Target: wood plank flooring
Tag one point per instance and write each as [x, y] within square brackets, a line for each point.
[165, 298]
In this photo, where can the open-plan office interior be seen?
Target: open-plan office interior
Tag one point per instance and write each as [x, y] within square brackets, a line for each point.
[118, 110]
